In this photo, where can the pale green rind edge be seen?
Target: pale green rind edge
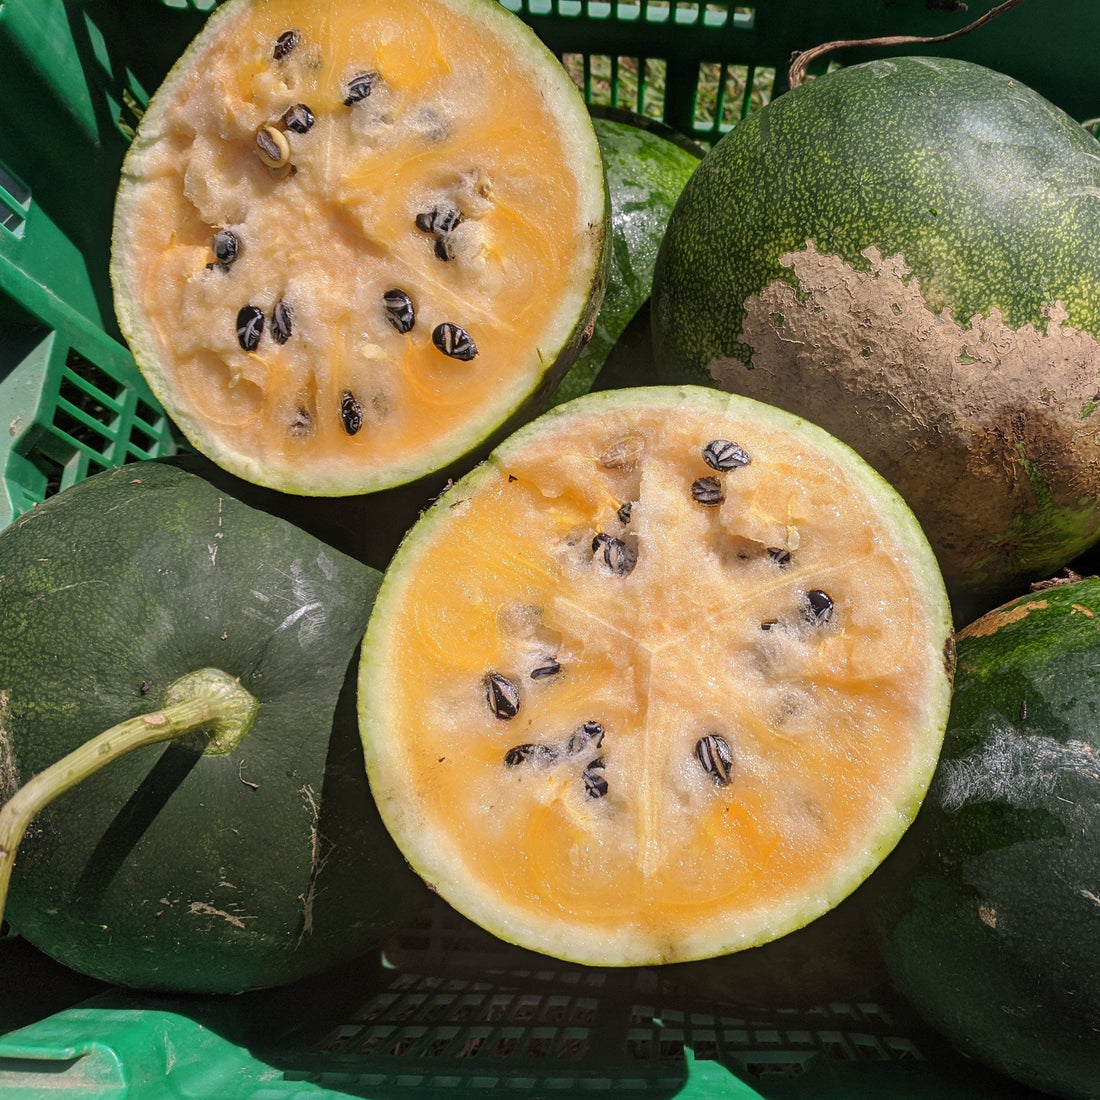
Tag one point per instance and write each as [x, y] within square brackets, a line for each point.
[548, 365]
[555, 936]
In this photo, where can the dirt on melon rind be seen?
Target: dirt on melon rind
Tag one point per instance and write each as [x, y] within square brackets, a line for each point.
[838, 255]
[170, 870]
[399, 810]
[520, 406]
[988, 912]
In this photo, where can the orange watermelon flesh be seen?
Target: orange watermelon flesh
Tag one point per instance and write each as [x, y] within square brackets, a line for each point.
[468, 120]
[801, 621]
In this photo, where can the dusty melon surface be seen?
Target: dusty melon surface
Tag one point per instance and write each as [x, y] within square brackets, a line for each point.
[351, 239]
[666, 677]
[906, 253]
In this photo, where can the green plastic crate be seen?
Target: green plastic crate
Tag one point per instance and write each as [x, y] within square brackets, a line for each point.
[443, 1011]
[74, 77]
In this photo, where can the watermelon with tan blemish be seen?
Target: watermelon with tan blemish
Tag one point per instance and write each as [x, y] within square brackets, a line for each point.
[906, 252]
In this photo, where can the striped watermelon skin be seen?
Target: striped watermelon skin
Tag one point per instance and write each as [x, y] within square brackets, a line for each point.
[988, 912]
[906, 252]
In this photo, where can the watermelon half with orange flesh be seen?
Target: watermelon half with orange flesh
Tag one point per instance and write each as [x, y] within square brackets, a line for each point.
[666, 677]
[354, 241]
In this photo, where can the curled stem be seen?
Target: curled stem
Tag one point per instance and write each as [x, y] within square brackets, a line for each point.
[208, 702]
[797, 71]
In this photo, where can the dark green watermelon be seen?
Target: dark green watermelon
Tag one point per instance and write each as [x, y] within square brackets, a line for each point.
[175, 867]
[647, 164]
[989, 909]
[907, 252]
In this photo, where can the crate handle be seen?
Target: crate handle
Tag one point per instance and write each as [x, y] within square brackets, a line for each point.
[797, 71]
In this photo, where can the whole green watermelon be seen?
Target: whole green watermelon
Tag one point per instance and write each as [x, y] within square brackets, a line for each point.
[908, 253]
[190, 866]
[989, 909]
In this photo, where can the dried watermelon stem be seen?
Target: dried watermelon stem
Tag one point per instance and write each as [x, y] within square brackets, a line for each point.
[796, 74]
[207, 710]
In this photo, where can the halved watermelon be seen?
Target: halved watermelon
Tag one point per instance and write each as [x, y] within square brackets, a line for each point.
[664, 678]
[353, 241]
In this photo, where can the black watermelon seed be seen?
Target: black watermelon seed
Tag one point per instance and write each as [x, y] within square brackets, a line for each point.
[536, 754]
[225, 246]
[359, 87]
[819, 606]
[590, 735]
[440, 219]
[716, 756]
[502, 694]
[454, 341]
[721, 454]
[446, 220]
[549, 667]
[595, 785]
[708, 491]
[351, 412]
[617, 555]
[624, 512]
[282, 322]
[445, 246]
[399, 310]
[298, 118]
[286, 43]
[250, 327]
[780, 555]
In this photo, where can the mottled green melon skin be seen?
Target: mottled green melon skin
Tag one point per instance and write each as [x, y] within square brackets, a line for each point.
[989, 909]
[990, 194]
[171, 870]
[647, 166]
[888, 170]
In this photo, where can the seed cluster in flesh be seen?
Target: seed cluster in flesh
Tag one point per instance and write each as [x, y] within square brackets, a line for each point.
[712, 750]
[359, 207]
[760, 680]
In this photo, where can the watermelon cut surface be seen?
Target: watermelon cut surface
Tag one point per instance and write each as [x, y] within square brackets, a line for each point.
[353, 241]
[664, 678]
